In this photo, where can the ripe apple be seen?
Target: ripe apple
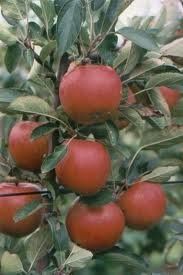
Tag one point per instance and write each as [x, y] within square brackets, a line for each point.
[171, 96]
[90, 93]
[143, 204]
[27, 153]
[9, 205]
[95, 228]
[85, 168]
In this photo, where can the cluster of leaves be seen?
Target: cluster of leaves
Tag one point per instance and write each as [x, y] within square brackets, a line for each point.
[43, 37]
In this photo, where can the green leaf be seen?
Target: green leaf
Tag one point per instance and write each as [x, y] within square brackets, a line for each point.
[6, 36]
[45, 129]
[157, 122]
[37, 10]
[98, 130]
[78, 257]
[168, 67]
[7, 95]
[160, 104]
[123, 54]
[112, 132]
[173, 152]
[133, 59]
[146, 66]
[171, 160]
[59, 4]
[48, 14]
[12, 57]
[177, 111]
[47, 49]
[51, 160]
[44, 87]
[132, 116]
[166, 79]
[115, 8]
[164, 138]
[15, 9]
[176, 226]
[145, 161]
[141, 38]
[36, 34]
[29, 57]
[97, 4]
[27, 210]
[69, 25]
[156, 139]
[84, 38]
[173, 49]
[31, 105]
[7, 124]
[59, 234]
[161, 174]
[107, 49]
[126, 259]
[175, 252]
[4, 169]
[11, 264]
[177, 121]
[103, 197]
[38, 244]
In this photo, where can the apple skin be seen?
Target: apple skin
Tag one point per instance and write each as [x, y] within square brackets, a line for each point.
[9, 205]
[85, 168]
[27, 153]
[90, 93]
[95, 228]
[143, 204]
[171, 96]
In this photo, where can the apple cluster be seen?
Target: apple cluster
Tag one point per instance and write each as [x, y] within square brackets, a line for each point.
[88, 94]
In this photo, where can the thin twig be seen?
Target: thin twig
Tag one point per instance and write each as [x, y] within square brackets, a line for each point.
[44, 64]
[92, 32]
[79, 48]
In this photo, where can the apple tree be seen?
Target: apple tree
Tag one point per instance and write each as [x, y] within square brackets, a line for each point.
[91, 163]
